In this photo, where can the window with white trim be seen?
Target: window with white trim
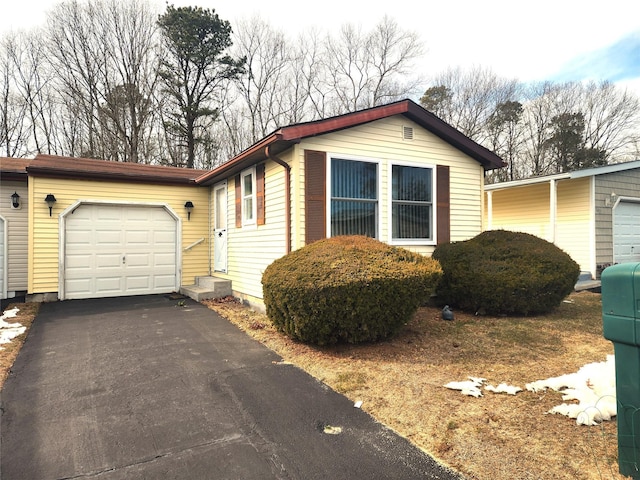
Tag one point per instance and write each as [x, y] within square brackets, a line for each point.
[248, 190]
[354, 198]
[412, 203]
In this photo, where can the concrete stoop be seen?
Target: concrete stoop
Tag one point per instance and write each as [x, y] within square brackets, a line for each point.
[206, 288]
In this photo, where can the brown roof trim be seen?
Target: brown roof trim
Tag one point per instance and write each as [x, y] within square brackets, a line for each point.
[89, 168]
[14, 167]
[251, 156]
[285, 137]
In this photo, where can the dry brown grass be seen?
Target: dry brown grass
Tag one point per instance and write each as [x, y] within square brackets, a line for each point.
[27, 312]
[494, 437]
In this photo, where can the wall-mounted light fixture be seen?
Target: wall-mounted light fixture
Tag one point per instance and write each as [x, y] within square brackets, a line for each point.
[188, 206]
[15, 200]
[50, 199]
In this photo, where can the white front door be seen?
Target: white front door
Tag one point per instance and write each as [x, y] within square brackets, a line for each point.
[220, 228]
[117, 250]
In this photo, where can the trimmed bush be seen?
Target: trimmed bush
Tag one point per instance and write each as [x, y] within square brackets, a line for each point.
[346, 289]
[502, 272]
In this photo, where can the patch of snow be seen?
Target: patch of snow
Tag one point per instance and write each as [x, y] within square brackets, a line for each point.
[469, 387]
[503, 388]
[593, 386]
[8, 331]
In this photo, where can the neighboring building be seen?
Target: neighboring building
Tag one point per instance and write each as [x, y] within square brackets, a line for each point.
[394, 172]
[592, 214]
[14, 207]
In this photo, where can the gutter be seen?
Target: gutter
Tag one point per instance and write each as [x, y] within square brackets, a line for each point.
[287, 193]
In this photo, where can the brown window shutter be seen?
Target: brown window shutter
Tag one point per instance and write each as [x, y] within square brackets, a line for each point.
[238, 202]
[443, 208]
[315, 188]
[260, 193]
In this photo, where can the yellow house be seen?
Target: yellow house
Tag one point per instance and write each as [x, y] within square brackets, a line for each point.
[105, 229]
[592, 214]
[108, 229]
[395, 172]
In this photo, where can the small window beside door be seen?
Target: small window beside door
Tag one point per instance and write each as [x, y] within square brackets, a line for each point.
[248, 189]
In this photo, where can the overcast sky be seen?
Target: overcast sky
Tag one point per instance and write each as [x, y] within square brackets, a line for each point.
[556, 40]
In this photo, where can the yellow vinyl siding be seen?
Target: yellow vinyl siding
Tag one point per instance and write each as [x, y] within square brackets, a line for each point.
[574, 220]
[44, 253]
[16, 225]
[251, 249]
[527, 209]
[382, 141]
[523, 209]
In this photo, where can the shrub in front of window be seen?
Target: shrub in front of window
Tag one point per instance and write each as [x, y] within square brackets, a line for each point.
[347, 289]
[502, 272]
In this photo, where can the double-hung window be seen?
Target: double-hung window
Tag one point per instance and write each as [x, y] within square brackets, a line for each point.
[248, 189]
[412, 203]
[354, 198]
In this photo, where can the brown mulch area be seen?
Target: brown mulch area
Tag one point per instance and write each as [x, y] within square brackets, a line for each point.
[497, 436]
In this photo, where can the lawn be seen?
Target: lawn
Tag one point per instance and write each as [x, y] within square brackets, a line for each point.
[400, 383]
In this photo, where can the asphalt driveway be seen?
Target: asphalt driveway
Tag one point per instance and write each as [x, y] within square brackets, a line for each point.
[140, 387]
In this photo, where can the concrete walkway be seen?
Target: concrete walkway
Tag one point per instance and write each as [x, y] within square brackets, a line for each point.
[142, 388]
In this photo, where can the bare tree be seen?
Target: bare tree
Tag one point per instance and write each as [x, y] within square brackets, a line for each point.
[106, 65]
[14, 129]
[263, 88]
[466, 99]
[368, 69]
[612, 120]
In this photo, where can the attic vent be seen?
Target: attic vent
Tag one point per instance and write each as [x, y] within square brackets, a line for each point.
[407, 133]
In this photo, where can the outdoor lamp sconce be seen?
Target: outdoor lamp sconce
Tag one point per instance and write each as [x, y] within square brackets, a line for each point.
[50, 199]
[188, 206]
[15, 200]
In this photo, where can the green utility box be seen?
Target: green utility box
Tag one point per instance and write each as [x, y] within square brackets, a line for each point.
[621, 325]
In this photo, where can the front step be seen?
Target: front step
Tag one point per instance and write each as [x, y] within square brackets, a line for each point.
[206, 288]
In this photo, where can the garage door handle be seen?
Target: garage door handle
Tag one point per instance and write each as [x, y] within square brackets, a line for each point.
[123, 257]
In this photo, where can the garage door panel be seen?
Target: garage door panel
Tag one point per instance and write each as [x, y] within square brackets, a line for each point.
[79, 262]
[163, 281]
[99, 237]
[139, 260]
[79, 286]
[79, 237]
[107, 237]
[142, 282]
[138, 237]
[164, 259]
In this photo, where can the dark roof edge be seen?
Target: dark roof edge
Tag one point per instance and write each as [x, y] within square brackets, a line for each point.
[42, 171]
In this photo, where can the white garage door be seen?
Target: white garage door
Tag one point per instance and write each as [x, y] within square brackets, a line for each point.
[116, 250]
[626, 232]
[3, 258]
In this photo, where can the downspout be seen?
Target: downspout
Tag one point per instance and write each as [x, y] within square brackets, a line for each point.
[553, 208]
[287, 194]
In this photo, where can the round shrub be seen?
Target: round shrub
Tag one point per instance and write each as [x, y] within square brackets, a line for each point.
[502, 272]
[346, 289]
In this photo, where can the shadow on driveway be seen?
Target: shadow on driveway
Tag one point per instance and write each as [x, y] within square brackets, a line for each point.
[139, 387]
